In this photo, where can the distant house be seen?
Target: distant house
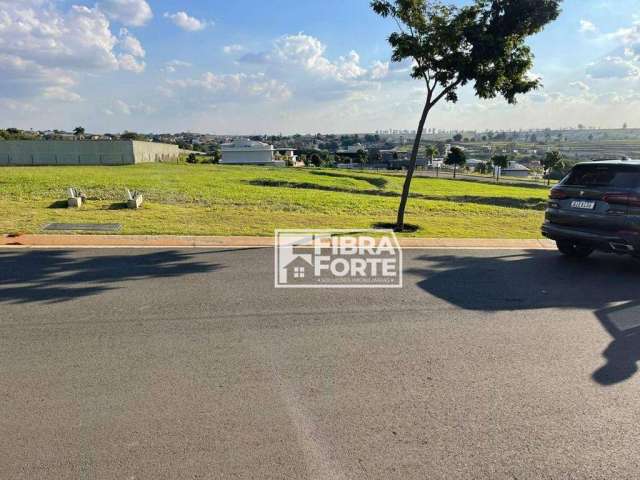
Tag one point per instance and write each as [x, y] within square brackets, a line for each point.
[472, 163]
[352, 151]
[515, 170]
[389, 156]
[288, 155]
[249, 152]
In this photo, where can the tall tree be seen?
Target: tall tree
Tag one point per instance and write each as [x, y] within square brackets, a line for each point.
[430, 152]
[457, 158]
[361, 157]
[551, 161]
[501, 161]
[482, 43]
[78, 131]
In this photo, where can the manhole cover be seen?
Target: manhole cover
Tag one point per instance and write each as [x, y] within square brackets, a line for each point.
[83, 227]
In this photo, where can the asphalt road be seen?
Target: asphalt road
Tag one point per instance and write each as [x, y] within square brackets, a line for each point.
[165, 364]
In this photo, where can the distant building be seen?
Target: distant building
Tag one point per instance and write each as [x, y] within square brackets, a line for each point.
[352, 149]
[472, 163]
[515, 170]
[249, 152]
[389, 156]
[288, 155]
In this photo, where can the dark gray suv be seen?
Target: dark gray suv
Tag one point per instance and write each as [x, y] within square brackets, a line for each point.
[596, 207]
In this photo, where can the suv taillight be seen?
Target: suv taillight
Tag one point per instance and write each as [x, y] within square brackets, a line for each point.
[629, 199]
[556, 194]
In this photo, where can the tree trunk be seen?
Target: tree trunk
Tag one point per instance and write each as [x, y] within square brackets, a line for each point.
[455, 168]
[412, 167]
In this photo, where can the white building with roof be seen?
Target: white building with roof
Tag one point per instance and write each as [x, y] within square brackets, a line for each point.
[516, 170]
[243, 151]
[353, 149]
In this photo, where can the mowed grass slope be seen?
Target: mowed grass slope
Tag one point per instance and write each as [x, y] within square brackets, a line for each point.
[233, 200]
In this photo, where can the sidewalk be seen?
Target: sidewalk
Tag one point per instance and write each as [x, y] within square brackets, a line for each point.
[162, 241]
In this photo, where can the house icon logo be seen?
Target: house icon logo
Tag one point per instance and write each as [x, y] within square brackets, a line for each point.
[295, 258]
[298, 269]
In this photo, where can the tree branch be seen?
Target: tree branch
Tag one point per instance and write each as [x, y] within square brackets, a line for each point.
[445, 91]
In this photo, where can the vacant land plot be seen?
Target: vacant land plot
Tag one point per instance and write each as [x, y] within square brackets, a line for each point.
[226, 200]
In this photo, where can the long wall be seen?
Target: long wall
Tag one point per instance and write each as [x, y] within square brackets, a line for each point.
[58, 152]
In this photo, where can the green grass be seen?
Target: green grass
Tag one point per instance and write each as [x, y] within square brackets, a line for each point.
[226, 200]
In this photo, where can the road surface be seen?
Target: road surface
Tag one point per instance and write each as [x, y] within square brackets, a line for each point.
[185, 364]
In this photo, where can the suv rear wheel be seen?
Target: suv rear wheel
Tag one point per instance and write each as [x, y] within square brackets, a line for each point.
[573, 249]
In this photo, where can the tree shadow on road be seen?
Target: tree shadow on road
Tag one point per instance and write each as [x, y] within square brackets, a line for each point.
[604, 284]
[52, 276]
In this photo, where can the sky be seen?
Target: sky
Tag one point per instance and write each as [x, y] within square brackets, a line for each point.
[286, 66]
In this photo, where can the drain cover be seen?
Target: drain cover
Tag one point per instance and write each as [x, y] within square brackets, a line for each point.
[83, 227]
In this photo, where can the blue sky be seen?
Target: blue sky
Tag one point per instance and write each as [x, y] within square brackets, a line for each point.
[250, 66]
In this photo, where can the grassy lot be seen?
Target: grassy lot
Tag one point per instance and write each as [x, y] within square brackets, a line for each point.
[227, 200]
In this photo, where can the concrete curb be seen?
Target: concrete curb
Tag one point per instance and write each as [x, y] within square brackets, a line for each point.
[182, 241]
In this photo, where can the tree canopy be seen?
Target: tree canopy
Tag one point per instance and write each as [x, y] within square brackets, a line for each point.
[551, 160]
[481, 44]
[501, 161]
[455, 157]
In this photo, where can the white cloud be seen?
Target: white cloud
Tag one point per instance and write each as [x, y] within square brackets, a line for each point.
[130, 44]
[21, 78]
[173, 65]
[308, 52]
[211, 87]
[185, 22]
[123, 108]
[623, 61]
[134, 13]
[580, 86]
[133, 52]
[626, 35]
[61, 94]
[379, 70]
[130, 63]
[44, 50]
[79, 38]
[301, 61]
[586, 26]
[235, 48]
[611, 67]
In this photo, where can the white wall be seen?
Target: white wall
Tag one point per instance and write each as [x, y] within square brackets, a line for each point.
[247, 156]
[60, 152]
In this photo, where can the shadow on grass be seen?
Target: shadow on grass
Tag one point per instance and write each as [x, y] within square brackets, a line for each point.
[52, 276]
[463, 177]
[117, 206]
[376, 182]
[59, 204]
[506, 202]
[534, 280]
[408, 227]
